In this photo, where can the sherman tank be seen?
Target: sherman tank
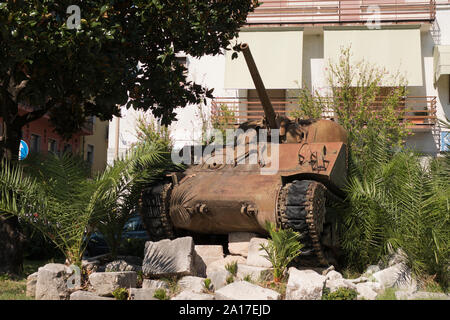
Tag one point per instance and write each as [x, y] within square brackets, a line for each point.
[219, 197]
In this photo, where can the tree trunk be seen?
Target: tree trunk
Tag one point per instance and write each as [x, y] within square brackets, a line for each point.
[11, 246]
[10, 142]
[11, 238]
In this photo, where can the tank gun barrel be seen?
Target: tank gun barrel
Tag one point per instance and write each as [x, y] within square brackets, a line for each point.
[259, 85]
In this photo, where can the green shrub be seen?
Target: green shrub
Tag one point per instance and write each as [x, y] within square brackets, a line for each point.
[368, 114]
[207, 285]
[232, 268]
[230, 279]
[310, 106]
[281, 249]
[120, 294]
[399, 204]
[339, 294]
[161, 294]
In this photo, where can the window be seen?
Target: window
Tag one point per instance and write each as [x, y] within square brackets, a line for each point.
[35, 143]
[52, 146]
[90, 154]
[67, 148]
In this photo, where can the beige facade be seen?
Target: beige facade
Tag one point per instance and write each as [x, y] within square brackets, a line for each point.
[292, 43]
[95, 146]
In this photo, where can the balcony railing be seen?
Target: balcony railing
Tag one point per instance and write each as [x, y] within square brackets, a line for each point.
[418, 111]
[342, 11]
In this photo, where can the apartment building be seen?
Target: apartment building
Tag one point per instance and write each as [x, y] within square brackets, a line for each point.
[90, 142]
[293, 41]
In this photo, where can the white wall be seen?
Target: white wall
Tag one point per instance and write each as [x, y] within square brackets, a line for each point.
[208, 71]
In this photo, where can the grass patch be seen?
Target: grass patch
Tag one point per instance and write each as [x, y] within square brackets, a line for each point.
[14, 287]
[339, 294]
[388, 294]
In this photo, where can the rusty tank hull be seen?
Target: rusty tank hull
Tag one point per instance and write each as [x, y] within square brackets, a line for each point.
[309, 168]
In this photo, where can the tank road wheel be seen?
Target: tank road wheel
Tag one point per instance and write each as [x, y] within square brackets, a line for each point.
[154, 211]
[302, 207]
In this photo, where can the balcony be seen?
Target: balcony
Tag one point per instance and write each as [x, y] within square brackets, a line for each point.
[326, 12]
[418, 111]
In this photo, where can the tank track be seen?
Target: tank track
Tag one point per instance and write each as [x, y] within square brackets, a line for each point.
[302, 207]
[154, 211]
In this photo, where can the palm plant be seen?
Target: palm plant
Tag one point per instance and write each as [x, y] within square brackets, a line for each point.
[53, 194]
[148, 161]
[396, 202]
[281, 249]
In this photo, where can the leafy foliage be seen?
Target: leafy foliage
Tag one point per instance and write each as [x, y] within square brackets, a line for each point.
[395, 203]
[208, 285]
[148, 160]
[231, 268]
[124, 52]
[310, 106]
[368, 114]
[339, 294]
[282, 248]
[120, 294]
[55, 196]
[161, 294]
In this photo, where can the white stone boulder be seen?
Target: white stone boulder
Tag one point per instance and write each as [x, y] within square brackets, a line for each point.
[189, 295]
[244, 290]
[398, 276]
[257, 257]
[238, 242]
[218, 278]
[121, 265]
[104, 283]
[193, 284]
[154, 284]
[216, 271]
[333, 275]
[31, 284]
[304, 285]
[86, 295]
[335, 284]
[169, 258]
[221, 264]
[142, 294]
[52, 282]
[209, 253]
[365, 291]
[254, 273]
[327, 270]
[370, 270]
[359, 280]
[205, 255]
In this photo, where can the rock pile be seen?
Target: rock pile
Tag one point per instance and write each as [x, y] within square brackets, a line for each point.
[179, 269]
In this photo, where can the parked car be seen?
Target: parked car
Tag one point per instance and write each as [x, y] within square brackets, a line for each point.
[133, 231]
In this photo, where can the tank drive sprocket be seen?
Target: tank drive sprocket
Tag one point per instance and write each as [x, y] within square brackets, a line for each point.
[302, 207]
[154, 211]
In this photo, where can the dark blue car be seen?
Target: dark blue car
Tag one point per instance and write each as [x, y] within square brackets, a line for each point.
[133, 229]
